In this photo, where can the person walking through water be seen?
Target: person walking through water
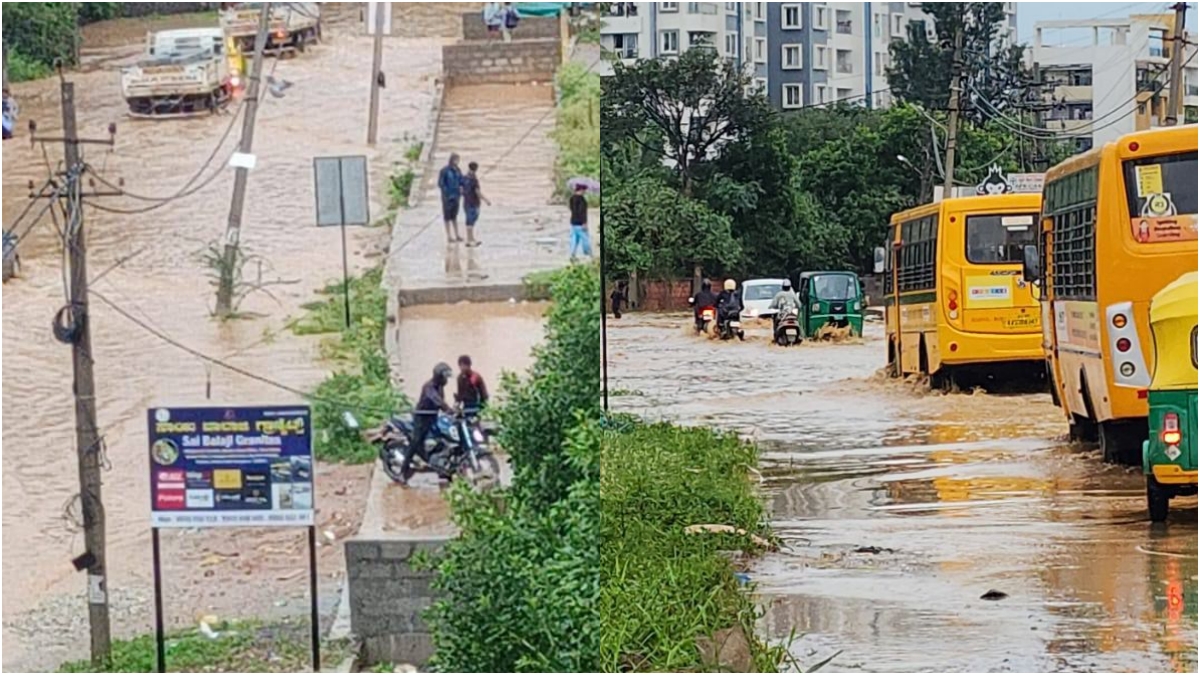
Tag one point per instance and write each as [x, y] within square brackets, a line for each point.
[472, 196]
[618, 296]
[450, 184]
[580, 238]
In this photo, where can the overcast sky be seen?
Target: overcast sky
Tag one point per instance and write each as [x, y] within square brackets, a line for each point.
[1029, 13]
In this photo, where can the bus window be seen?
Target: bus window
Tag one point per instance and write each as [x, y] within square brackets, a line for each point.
[998, 239]
[1175, 176]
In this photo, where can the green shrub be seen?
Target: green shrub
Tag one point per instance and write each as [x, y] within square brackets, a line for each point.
[520, 582]
[362, 385]
[399, 187]
[661, 588]
[578, 129]
[21, 68]
[41, 33]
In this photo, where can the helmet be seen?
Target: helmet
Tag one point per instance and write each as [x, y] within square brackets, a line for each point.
[706, 285]
[442, 372]
[730, 285]
[787, 285]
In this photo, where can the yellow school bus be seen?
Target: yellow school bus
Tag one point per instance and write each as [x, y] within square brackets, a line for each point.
[967, 316]
[1118, 224]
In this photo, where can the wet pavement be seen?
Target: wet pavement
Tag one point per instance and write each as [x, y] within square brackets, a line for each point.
[164, 283]
[505, 128]
[899, 508]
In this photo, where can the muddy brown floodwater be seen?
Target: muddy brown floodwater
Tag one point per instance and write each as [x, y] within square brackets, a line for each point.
[164, 284]
[899, 508]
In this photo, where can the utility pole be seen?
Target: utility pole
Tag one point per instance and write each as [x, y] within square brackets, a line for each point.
[955, 103]
[1178, 46]
[233, 229]
[87, 438]
[376, 66]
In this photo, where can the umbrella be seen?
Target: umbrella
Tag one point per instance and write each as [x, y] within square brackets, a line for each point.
[591, 184]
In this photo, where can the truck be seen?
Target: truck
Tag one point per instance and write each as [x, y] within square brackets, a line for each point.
[292, 26]
[184, 72]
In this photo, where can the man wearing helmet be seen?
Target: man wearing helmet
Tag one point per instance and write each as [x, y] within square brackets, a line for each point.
[786, 299]
[729, 301]
[705, 298]
[431, 402]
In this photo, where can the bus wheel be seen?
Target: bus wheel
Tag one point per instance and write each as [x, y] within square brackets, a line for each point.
[1120, 444]
[1082, 430]
[943, 380]
[1158, 500]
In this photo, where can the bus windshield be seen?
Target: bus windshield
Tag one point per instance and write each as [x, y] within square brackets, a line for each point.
[1170, 175]
[834, 287]
[995, 239]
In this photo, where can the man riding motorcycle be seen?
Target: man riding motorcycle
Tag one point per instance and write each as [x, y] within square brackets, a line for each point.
[786, 299]
[705, 298]
[729, 305]
[431, 402]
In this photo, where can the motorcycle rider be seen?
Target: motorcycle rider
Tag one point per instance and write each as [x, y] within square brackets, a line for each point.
[705, 298]
[729, 305]
[431, 402]
[786, 299]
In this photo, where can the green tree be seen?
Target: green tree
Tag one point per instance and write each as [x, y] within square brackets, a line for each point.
[693, 104]
[993, 76]
[39, 35]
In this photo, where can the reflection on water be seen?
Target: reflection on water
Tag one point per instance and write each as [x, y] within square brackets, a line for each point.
[899, 508]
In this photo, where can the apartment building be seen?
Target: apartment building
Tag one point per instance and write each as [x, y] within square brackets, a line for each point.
[1105, 78]
[799, 53]
[648, 30]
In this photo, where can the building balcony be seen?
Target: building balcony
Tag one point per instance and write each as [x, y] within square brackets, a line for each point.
[1074, 93]
[1067, 125]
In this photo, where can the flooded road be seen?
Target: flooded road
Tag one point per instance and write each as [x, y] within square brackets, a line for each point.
[164, 284]
[899, 508]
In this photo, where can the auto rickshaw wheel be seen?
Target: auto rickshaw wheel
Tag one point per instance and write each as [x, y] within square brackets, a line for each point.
[1158, 499]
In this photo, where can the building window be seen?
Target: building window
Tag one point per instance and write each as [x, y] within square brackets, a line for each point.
[821, 93]
[760, 11]
[880, 63]
[880, 25]
[792, 57]
[844, 25]
[669, 41]
[625, 45]
[897, 25]
[731, 45]
[731, 8]
[820, 57]
[821, 17]
[791, 16]
[845, 61]
[760, 85]
[668, 6]
[793, 96]
[843, 94]
[623, 9]
[703, 8]
[702, 39]
[760, 50]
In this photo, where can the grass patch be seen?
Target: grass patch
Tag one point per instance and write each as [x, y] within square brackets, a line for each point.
[538, 284]
[362, 384]
[661, 588]
[242, 647]
[414, 151]
[578, 128]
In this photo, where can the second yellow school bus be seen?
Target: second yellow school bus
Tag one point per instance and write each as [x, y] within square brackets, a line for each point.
[1118, 224]
[966, 313]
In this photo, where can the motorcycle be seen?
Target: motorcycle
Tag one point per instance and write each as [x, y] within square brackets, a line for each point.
[705, 321]
[729, 326]
[456, 447]
[787, 328]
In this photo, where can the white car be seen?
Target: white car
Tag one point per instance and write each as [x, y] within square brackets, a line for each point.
[757, 295]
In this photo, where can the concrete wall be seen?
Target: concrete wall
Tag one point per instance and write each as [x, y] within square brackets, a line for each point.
[530, 28]
[497, 62]
[388, 598]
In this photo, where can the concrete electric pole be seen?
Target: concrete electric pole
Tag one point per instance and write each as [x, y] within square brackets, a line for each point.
[1178, 47]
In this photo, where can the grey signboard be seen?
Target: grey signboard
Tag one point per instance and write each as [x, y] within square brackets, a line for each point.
[341, 191]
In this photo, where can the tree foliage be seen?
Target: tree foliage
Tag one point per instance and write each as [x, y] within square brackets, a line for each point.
[520, 583]
[39, 34]
[992, 74]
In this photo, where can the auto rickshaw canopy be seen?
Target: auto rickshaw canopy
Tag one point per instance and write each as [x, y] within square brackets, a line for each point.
[1173, 323]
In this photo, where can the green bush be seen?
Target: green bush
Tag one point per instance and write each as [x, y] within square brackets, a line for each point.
[520, 582]
[363, 384]
[21, 68]
[40, 33]
[578, 128]
[661, 588]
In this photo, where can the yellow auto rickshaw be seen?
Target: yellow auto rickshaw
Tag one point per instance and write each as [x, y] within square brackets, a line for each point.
[1169, 454]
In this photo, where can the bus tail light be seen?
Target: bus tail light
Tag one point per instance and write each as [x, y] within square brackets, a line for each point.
[1124, 347]
[1170, 430]
[952, 303]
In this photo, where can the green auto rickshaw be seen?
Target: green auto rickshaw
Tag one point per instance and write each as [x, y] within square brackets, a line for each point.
[833, 299]
[1169, 455]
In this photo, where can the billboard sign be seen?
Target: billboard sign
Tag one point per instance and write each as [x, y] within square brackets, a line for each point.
[231, 467]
